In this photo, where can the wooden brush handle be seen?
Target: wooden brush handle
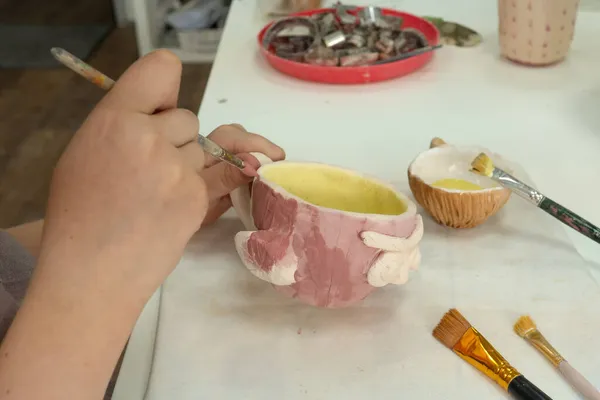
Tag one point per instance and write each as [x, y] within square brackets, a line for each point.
[521, 389]
[579, 383]
[571, 219]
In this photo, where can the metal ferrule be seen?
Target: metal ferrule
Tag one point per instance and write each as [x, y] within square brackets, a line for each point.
[537, 340]
[216, 151]
[477, 351]
[517, 187]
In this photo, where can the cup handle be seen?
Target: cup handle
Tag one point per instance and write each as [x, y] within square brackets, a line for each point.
[240, 198]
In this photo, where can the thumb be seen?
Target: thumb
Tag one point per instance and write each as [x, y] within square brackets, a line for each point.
[222, 178]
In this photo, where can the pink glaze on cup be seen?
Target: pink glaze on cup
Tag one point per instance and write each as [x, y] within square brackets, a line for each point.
[536, 32]
[323, 256]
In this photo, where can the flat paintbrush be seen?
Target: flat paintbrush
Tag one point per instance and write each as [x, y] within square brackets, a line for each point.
[457, 334]
[483, 165]
[106, 83]
[526, 328]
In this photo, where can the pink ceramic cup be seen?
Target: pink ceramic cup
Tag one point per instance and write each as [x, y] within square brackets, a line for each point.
[325, 235]
[536, 32]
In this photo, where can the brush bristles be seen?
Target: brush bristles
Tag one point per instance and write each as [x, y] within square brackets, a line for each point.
[482, 165]
[451, 328]
[524, 325]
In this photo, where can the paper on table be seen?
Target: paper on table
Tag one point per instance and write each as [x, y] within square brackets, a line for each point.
[224, 334]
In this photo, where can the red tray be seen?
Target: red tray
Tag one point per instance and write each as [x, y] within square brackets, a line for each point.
[362, 74]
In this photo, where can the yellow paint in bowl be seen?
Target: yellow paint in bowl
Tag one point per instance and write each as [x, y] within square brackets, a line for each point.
[456, 184]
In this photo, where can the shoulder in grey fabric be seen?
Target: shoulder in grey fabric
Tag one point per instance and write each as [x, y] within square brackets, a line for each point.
[16, 267]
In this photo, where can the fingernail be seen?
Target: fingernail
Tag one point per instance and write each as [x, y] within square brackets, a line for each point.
[252, 164]
[249, 170]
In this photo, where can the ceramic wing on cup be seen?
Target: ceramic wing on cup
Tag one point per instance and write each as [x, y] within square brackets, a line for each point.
[398, 256]
[325, 235]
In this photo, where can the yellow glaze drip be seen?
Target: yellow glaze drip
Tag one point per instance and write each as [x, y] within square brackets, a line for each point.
[456, 184]
[329, 187]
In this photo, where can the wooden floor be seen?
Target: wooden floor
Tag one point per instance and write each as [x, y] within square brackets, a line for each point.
[41, 109]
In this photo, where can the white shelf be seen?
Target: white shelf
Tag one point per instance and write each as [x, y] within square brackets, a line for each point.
[191, 57]
[169, 41]
[149, 17]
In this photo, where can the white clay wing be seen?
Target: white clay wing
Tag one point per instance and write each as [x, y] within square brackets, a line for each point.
[399, 255]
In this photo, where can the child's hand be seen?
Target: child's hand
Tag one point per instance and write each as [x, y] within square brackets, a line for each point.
[126, 195]
[222, 178]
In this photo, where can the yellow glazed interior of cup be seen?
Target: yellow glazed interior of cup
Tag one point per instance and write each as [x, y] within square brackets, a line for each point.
[335, 188]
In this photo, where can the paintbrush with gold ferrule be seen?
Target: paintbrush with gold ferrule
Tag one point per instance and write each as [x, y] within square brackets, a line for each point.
[526, 328]
[483, 165]
[457, 334]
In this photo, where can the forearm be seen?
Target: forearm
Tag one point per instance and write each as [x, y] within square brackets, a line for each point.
[66, 338]
[29, 235]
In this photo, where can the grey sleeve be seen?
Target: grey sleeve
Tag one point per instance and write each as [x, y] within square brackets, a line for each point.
[16, 267]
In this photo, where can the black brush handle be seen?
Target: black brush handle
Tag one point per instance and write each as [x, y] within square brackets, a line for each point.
[521, 389]
[571, 219]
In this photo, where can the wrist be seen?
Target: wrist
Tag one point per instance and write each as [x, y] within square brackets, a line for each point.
[82, 270]
[95, 284]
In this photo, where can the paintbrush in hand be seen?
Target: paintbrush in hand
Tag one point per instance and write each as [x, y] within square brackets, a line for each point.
[526, 328]
[99, 79]
[483, 165]
[457, 334]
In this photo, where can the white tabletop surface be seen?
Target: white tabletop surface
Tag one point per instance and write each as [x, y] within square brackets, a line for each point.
[547, 119]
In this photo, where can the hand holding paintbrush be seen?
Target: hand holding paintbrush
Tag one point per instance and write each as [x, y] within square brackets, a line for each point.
[106, 83]
[526, 328]
[483, 165]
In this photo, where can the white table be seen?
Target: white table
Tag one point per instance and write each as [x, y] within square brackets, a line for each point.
[548, 119]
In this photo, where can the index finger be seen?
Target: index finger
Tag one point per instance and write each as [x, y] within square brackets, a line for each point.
[235, 139]
[149, 85]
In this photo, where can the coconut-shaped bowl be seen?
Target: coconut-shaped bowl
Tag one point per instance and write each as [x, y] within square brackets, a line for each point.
[466, 207]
